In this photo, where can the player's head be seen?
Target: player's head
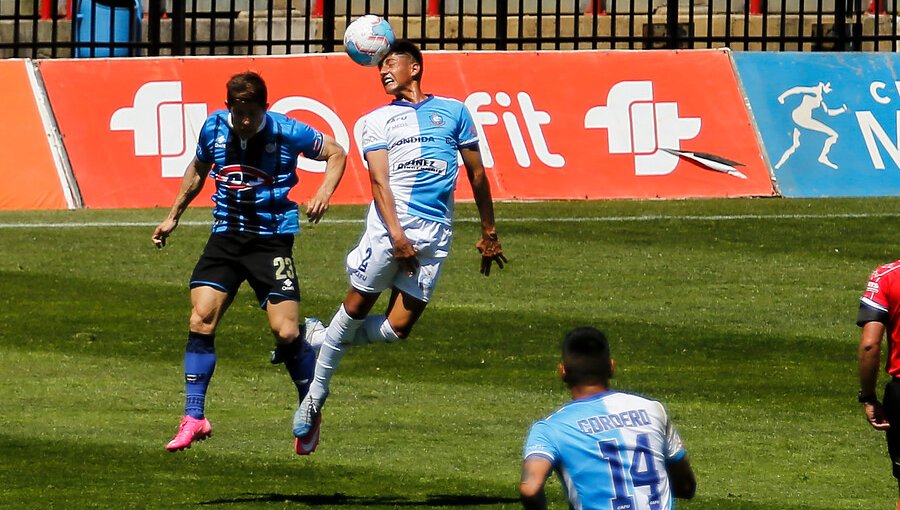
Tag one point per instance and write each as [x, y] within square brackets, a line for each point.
[585, 358]
[247, 87]
[247, 100]
[401, 66]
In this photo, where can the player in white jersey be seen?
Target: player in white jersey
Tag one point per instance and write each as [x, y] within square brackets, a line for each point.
[411, 147]
[611, 450]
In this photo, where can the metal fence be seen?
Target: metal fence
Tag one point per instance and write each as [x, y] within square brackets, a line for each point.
[102, 28]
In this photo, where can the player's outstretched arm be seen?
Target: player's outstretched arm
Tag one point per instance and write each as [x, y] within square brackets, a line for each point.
[191, 184]
[404, 252]
[489, 244]
[335, 158]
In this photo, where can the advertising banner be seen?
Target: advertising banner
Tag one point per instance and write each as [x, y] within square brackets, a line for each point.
[555, 125]
[29, 171]
[829, 122]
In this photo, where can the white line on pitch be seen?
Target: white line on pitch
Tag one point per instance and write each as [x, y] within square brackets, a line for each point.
[501, 220]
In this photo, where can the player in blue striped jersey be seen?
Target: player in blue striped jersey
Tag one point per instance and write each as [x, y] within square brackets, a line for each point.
[412, 146]
[611, 450]
[251, 155]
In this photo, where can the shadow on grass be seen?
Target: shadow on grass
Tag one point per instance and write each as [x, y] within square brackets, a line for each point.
[339, 499]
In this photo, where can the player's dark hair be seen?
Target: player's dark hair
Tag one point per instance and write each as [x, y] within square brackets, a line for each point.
[585, 356]
[406, 47]
[247, 87]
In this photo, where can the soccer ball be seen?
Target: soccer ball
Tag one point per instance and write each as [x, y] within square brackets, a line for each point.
[368, 39]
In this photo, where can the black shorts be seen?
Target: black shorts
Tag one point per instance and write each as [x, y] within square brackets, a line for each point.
[265, 262]
[891, 403]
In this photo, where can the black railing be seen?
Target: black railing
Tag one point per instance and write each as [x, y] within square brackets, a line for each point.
[85, 28]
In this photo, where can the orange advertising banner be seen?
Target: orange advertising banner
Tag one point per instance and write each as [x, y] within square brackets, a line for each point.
[554, 125]
[29, 168]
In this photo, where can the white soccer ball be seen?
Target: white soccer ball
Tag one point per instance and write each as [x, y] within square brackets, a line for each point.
[368, 39]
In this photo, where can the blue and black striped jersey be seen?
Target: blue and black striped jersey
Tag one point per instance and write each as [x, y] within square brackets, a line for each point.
[253, 177]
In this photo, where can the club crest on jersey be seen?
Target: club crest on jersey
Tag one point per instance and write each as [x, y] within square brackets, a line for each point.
[436, 120]
[242, 177]
[270, 148]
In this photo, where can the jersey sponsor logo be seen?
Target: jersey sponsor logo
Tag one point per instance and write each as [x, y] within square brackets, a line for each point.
[413, 139]
[598, 424]
[434, 166]
[242, 177]
[872, 287]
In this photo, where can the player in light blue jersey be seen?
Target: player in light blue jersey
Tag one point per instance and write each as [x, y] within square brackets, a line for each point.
[411, 146]
[611, 450]
[251, 154]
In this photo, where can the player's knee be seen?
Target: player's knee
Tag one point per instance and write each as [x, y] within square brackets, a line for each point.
[286, 334]
[356, 310]
[203, 321]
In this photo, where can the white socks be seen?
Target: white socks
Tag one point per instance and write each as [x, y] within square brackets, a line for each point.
[343, 332]
[337, 339]
[375, 329]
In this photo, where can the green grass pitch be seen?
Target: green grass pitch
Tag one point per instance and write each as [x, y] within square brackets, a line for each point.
[739, 314]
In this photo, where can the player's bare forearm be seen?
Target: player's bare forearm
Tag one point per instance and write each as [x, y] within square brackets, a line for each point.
[191, 184]
[485, 204]
[869, 355]
[682, 479]
[382, 194]
[404, 251]
[535, 471]
[334, 172]
[481, 190]
[387, 208]
[335, 163]
[489, 244]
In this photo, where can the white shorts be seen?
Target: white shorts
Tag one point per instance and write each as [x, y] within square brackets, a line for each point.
[373, 269]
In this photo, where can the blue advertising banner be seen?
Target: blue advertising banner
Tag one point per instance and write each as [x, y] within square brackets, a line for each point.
[829, 122]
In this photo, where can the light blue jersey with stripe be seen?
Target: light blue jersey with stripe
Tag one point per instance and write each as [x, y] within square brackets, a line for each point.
[422, 141]
[610, 451]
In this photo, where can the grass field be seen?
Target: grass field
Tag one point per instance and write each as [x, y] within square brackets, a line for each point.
[739, 314]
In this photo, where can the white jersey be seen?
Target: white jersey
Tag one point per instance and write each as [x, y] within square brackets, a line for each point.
[422, 141]
[610, 450]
